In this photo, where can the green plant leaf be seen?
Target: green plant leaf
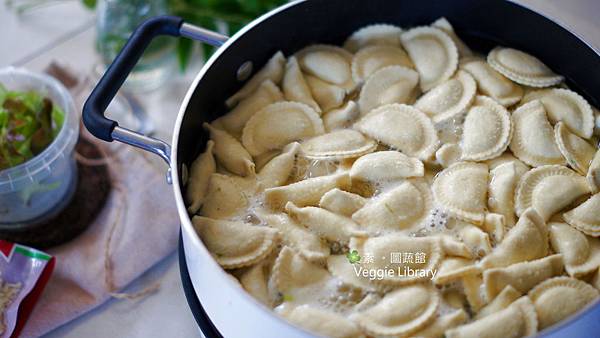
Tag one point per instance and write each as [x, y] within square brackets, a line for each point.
[91, 4]
[204, 13]
[184, 52]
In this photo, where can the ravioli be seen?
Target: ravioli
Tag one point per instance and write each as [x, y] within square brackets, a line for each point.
[337, 144]
[401, 127]
[567, 106]
[585, 217]
[377, 34]
[385, 166]
[522, 68]
[581, 253]
[372, 58]
[403, 208]
[533, 139]
[414, 307]
[557, 298]
[549, 189]
[329, 63]
[392, 84]
[448, 99]
[235, 244]
[465, 201]
[389, 189]
[433, 53]
[200, 172]
[278, 124]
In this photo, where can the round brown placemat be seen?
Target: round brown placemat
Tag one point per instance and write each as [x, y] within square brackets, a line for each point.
[93, 187]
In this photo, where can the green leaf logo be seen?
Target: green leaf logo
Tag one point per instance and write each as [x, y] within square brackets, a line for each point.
[353, 257]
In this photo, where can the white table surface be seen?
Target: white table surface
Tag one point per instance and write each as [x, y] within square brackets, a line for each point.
[65, 32]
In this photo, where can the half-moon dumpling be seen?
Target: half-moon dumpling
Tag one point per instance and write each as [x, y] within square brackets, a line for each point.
[501, 192]
[507, 157]
[235, 244]
[401, 127]
[557, 298]
[370, 59]
[448, 154]
[278, 124]
[443, 24]
[433, 53]
[492, 83]
[522, 68]
[342, 202]
[308, 244]
[517, 320]
[454, 268]
[292, 274]
[273, 70]
[503, 300]
[392, 84]
[320, 321]
[327, 95]
[338, 144]
[461, 189]
[581, 253]
[586, 217]
[548, 189]
[200, 172]
[401, 312]
[448, 99]
[295, 87]
[487, 130]
[442, 323]
[527, 240]
[402, 208]
[593, 174]
[578, 152]
[472, 286]
[386, 166]
[378, 34]
[230, 153]
[306, 192]
[329, 63]
[254, 281]
[234, 121]
[476, 239]
[326, 224]
[533, 139]
[278, 170]
[521, 276]
[381, 249]
[341, 117]
[261, 160]
[339, 267]
[227, 196]
[453, 247]
[567, 106]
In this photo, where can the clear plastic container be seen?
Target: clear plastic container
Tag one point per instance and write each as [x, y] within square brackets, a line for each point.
[40, 188]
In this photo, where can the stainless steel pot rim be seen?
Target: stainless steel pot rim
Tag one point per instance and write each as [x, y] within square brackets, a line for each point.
[174, 170]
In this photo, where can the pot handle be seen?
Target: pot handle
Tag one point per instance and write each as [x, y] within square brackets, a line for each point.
[112, 80]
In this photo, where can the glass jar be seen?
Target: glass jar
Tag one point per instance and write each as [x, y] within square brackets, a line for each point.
[115, 21]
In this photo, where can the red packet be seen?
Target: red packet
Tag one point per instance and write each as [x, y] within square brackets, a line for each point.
[24, 272]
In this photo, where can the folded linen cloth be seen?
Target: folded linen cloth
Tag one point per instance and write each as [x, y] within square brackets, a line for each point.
[137, 227]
